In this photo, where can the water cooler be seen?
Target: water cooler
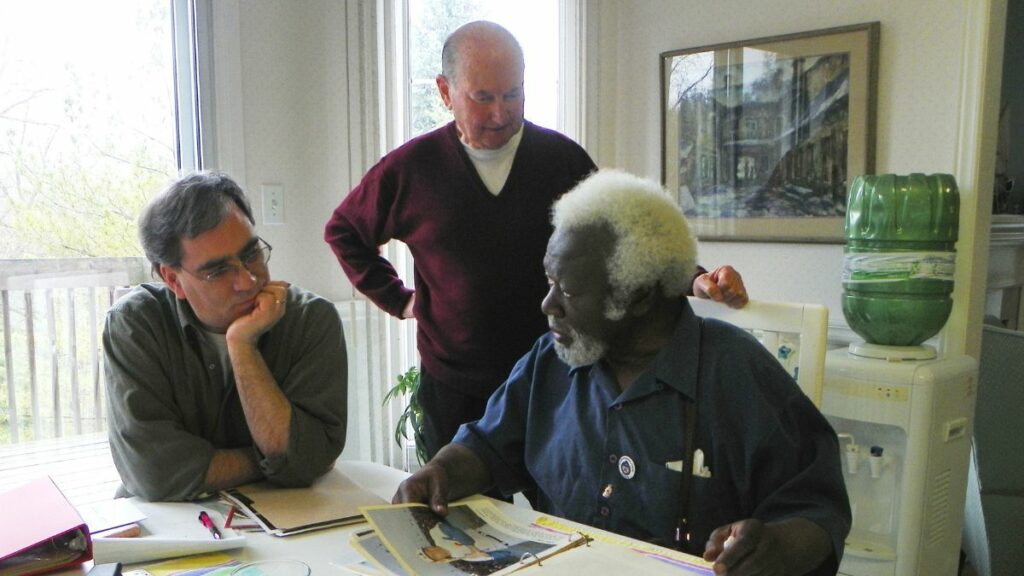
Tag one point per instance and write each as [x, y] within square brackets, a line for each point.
[903, 414]
[904, 428]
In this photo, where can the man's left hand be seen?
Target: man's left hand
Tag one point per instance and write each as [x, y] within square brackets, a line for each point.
[745, 547]
[268, 310]
[723, 284]
[783, 548]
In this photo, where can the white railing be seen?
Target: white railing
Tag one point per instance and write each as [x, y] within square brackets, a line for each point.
[52, 320]
[52, 378]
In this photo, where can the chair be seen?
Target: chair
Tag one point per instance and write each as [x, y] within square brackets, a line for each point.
[795, 334]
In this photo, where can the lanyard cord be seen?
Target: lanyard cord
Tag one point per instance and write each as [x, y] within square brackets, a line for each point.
[683, 534]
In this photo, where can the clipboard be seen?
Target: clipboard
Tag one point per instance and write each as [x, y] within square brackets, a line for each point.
[40, 531]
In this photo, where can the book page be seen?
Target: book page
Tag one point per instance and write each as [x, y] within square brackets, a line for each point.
[475, 538]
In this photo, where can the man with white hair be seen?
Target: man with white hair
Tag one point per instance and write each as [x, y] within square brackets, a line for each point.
[636, 416]
[471, 201]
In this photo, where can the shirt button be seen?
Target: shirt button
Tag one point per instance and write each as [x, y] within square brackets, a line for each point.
[213, 366]
[618, 407]
[605, 511]
[612, 458]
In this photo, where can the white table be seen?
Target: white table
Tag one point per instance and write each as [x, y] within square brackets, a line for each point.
[325, 551]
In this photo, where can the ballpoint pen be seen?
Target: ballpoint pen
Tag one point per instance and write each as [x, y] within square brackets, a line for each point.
[205, 519]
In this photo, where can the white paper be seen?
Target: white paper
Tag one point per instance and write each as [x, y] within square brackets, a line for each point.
[107, 514]
[169, 530]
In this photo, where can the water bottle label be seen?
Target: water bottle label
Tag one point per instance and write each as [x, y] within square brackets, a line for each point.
[898, 266]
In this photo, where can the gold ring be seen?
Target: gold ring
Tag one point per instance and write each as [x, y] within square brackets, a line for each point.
[278, 301]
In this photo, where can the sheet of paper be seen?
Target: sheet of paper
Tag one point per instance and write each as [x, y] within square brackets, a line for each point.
[170, 529]
[215, 564]
[100, 516]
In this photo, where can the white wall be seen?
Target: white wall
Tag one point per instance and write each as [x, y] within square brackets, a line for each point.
[919, 111]
[284, 72]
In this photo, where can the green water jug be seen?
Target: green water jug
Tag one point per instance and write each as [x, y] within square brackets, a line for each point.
[901, 233]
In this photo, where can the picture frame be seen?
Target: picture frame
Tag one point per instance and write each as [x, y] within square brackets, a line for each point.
[761, 138]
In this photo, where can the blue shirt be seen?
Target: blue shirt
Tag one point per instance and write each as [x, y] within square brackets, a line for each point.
[567, 432]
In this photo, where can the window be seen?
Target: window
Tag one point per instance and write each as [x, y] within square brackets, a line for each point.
[87, 124]
[535, 23]
[98, 109]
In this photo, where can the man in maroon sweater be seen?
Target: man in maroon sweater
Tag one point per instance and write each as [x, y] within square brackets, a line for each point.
[472, 202]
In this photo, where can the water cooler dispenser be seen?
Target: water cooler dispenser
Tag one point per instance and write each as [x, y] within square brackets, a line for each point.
[903, 414]
[904, 428]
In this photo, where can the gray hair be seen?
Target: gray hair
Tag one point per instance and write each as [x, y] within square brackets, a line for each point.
[188, 207]
[480, 31]
[653, 245]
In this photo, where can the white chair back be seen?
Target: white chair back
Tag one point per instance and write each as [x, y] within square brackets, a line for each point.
[796, 334]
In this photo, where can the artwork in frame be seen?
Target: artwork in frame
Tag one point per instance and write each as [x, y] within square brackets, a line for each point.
[760, 139]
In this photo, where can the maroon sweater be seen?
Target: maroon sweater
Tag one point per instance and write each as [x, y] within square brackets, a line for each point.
[478, 266]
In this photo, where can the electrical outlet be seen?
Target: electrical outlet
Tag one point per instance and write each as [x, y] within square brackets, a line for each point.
[273, 204]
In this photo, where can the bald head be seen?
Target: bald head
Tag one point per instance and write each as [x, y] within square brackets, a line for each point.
[482, 84]
[480, 40]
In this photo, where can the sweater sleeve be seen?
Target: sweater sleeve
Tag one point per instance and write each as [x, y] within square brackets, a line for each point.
[359, 226]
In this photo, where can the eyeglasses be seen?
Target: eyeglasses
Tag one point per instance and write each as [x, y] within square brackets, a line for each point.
[253, 260]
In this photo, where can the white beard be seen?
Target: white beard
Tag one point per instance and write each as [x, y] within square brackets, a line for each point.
[584, 349]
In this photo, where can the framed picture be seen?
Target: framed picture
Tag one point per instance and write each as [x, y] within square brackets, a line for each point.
[760, 139]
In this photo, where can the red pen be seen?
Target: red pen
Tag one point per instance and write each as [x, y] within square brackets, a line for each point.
[205, 519]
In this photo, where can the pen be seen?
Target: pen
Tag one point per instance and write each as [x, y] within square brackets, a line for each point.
[205, 519]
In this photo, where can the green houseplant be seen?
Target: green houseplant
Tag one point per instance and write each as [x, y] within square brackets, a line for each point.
[412, 415]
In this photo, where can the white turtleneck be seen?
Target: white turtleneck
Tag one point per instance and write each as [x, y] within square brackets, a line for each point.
[494, 166]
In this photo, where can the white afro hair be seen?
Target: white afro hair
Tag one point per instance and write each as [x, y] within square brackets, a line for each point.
[654, 244]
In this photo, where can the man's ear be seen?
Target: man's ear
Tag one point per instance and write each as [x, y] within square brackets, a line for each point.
[172, 279]
[444, 88]
[642, 300]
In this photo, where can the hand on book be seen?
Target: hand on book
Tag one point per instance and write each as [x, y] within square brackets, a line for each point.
[792, 546]
[429, 485]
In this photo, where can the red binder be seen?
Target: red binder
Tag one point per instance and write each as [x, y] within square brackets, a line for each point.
[40, 531]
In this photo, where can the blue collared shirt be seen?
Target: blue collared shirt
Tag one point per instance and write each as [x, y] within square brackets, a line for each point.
[611, 459]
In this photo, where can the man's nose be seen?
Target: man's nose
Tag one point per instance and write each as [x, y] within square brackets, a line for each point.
[499, 111]
[549, 305]
[244, 278]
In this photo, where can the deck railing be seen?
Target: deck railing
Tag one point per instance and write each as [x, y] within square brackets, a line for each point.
[52, 379]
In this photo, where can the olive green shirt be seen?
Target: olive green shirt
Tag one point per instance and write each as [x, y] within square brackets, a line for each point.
[170, 405]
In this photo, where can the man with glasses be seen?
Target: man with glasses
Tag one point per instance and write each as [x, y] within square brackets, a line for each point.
[219, 376]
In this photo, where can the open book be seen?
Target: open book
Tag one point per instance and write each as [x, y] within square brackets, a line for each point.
[477, 538]
[332, 500]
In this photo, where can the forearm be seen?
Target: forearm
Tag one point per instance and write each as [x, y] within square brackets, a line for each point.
[267, 411]
[230, 468]
[466, 472]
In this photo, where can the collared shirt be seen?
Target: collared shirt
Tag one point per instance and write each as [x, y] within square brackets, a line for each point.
[612, 459]
[169, 409]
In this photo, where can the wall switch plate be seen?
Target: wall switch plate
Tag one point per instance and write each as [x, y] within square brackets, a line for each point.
[273, 203]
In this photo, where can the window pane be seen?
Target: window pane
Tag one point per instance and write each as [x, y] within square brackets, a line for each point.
[86, 124]
[533, 22]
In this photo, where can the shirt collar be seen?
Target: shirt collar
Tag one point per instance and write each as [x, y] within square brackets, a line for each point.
[678, 362]
[676, 365]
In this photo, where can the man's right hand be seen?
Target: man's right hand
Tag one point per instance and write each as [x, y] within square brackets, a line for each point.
[429, 485]
[407, 311]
